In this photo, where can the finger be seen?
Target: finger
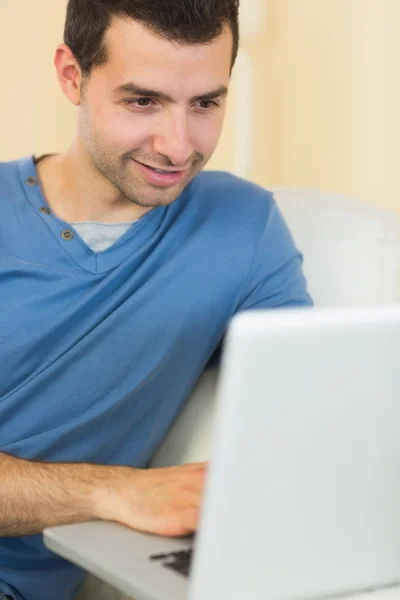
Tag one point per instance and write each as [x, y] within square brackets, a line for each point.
[193, 497]
[198, 467]
[191, 520]
[195, 483]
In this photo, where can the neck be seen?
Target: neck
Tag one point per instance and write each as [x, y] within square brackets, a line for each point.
[76, 191]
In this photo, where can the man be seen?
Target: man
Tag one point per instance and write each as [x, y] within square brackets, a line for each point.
[121, 265]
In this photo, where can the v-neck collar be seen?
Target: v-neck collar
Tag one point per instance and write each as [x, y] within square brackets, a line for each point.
[71, 242]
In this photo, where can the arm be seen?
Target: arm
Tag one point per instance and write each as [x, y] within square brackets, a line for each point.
[275, 278]
[35, 495]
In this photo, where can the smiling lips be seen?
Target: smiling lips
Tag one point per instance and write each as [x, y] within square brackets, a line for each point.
[158, 170]
[159, 177]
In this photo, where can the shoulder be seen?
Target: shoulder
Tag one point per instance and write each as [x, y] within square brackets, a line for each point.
[13, 175]
[231, 201]
[223, 202]
[9, 175]
[8, 169]
[229, 189]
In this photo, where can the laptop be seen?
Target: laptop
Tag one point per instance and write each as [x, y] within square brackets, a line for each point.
[302, 497]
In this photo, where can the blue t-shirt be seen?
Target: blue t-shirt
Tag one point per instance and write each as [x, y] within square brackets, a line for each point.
[99, 351]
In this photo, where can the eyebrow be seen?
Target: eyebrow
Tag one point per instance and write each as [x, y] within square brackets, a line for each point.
[135, 90]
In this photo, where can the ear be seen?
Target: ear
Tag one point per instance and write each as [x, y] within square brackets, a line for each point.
[69, 73]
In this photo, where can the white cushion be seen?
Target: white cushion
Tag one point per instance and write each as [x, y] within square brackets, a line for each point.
[351, 249]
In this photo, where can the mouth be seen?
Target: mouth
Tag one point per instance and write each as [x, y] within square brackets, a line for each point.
[160, 177]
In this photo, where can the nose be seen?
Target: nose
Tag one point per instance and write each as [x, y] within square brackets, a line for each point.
[172, 138]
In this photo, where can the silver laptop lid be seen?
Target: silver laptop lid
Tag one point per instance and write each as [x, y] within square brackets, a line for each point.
[303, 497]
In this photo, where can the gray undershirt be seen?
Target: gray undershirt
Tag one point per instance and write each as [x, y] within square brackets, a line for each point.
[100, 236]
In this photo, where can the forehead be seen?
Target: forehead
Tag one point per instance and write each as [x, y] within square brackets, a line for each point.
[136, 53]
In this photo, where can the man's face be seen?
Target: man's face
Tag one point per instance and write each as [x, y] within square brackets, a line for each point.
[150, 106]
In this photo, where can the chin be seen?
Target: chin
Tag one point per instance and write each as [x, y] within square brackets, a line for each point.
[155, 202]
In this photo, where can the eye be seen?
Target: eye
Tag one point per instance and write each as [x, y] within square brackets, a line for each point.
[139, 102]
[207, 104]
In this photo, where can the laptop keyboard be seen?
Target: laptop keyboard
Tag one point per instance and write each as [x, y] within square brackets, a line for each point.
[180, 562]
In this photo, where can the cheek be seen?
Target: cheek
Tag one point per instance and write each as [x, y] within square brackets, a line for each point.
[126, 131]
[118, 127]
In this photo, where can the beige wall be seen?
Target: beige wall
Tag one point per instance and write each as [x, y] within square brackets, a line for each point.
[324, 103]
[329, 74]
[34, 116]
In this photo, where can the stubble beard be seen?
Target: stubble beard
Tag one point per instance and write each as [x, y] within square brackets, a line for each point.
[119, 171]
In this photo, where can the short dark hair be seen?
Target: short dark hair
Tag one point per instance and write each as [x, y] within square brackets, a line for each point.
[183, 21]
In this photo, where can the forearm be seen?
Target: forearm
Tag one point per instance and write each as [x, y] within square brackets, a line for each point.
[36, 495]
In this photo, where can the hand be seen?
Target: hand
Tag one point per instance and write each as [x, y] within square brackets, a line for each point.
[164, 502]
